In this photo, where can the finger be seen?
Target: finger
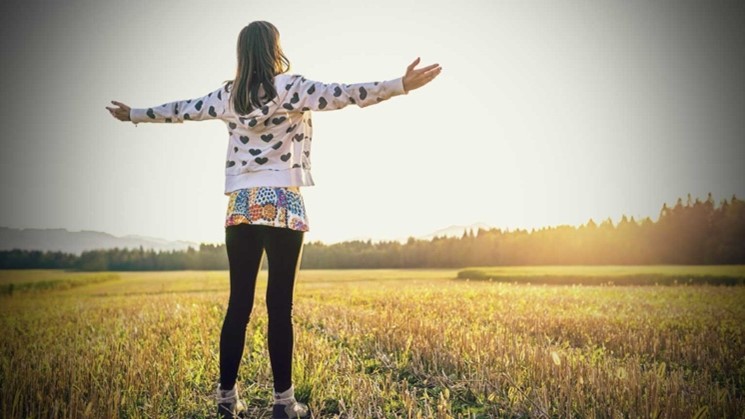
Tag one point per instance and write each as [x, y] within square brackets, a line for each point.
[430, 76]
[433, 71]
[412, 65]
[427, 72]
[427, 68]
[118, 103]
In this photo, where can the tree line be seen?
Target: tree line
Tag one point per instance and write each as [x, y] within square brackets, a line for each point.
[697, 232]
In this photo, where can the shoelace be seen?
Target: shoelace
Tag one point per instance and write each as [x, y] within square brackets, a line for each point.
[227, 396]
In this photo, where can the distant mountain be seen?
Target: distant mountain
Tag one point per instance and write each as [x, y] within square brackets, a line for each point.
[59, 239]
[455, 231]
[452, 231]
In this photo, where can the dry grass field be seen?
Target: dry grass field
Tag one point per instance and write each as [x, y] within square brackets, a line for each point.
[373, 344]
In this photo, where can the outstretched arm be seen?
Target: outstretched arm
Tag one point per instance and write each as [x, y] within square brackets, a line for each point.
[307, 94]
[210, 106]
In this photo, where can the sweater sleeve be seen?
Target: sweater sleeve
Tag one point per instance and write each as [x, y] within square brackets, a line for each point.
[210, 106]
[312, 95]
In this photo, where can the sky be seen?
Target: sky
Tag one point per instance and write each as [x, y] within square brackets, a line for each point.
[546, 113]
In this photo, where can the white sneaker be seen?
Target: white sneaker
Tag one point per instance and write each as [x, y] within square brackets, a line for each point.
[229, 404]
[286, 407]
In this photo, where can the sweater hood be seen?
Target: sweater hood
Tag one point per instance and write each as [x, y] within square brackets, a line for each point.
[260, 118]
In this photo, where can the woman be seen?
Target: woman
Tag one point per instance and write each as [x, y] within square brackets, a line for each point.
[268, 115]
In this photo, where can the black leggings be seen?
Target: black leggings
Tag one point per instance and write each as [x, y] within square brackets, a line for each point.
[245, 244]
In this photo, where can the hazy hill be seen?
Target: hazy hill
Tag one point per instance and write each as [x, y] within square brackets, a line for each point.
[455, 231]
[59, 239]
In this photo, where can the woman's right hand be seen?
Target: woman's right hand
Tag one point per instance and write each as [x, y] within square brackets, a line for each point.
[121, 112]
[414, 79]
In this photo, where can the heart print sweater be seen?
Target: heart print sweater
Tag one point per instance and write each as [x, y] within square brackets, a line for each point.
[271, 145]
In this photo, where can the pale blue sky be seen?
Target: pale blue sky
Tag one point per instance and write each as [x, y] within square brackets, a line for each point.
[546, 112]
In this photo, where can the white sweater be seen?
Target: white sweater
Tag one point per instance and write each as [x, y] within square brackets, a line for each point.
[271, 146]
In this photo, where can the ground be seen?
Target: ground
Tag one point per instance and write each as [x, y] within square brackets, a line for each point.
[373, 343]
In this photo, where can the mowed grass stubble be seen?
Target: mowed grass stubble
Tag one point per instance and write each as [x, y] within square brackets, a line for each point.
[369, 343]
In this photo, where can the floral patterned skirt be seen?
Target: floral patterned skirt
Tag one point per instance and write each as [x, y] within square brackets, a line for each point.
[267, 205]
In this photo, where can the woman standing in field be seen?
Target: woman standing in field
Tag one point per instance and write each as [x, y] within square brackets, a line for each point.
[267, 112]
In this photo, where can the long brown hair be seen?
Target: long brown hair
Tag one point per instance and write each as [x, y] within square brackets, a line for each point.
[260, 58]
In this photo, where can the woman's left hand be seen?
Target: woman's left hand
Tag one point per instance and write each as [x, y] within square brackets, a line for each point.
[416, 78]
[121, 112]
